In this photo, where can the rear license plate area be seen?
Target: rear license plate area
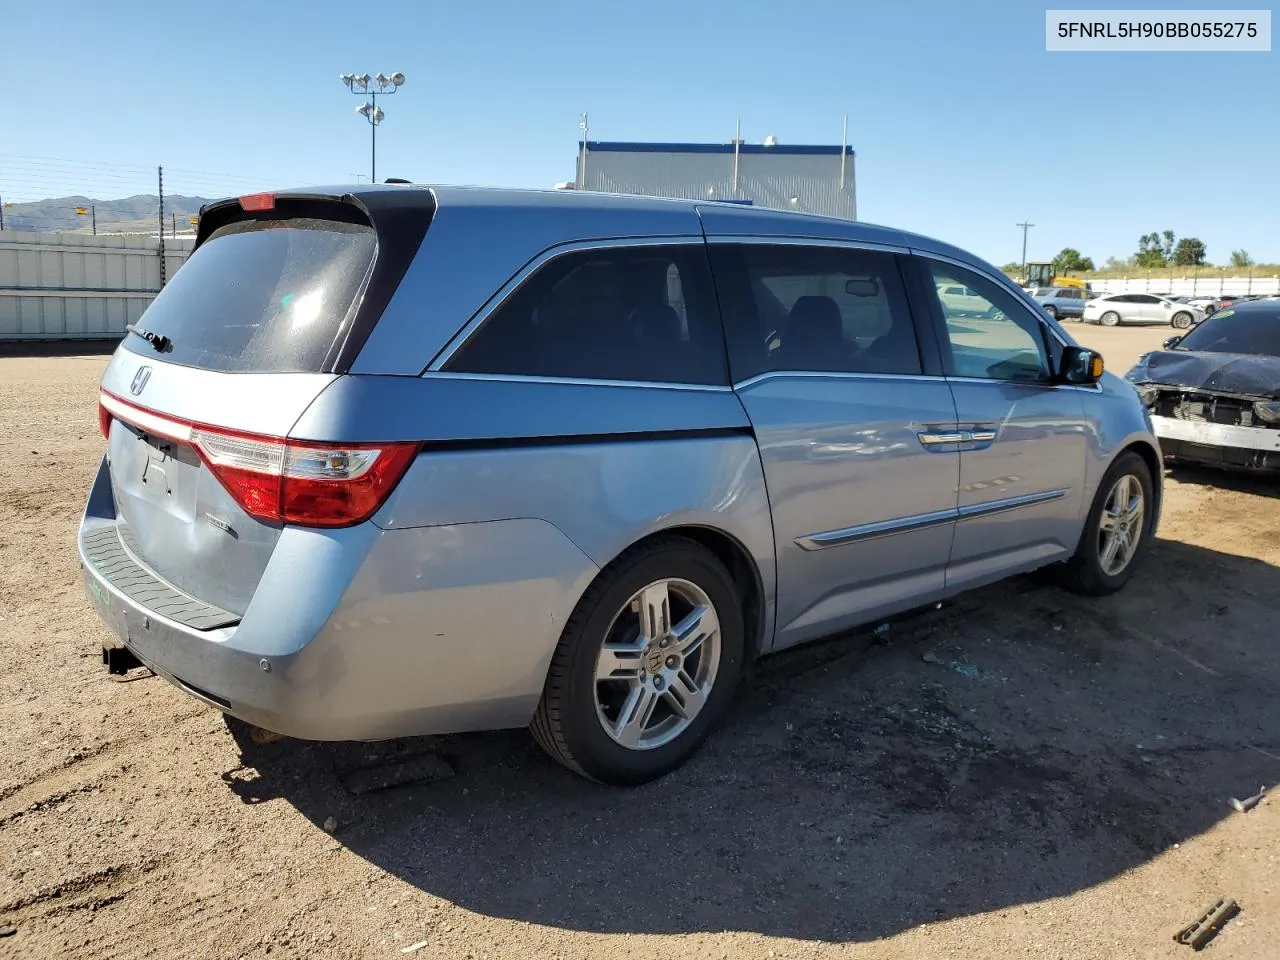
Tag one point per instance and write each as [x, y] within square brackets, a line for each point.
[157, 466]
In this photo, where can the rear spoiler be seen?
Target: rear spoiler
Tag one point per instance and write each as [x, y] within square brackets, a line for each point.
[399, 217]
[364, 206]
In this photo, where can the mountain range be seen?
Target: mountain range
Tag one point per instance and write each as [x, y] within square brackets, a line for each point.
[136, 214]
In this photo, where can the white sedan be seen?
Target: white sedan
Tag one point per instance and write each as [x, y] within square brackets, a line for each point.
[958, 300]
[1210, 305]
[1115, 308]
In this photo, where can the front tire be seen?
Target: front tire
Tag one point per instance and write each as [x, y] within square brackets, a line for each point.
[1181, 320]
[646, 666]
[1052, 311]
[1110, 318]
[1116, 531]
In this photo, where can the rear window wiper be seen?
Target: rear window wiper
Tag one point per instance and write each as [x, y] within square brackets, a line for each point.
[157, 340]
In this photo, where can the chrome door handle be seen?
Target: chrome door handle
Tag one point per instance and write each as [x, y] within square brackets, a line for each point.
[934, 439]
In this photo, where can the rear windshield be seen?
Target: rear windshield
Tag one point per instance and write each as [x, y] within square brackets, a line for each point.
[261, 296]
[1255, 331]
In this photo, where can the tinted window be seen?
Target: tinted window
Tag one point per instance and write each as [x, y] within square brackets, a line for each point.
[261, 296]
[1071, 293]
[644, 313]
[814, 309]
[1143, 298]
[991, 336]
[1255, 331]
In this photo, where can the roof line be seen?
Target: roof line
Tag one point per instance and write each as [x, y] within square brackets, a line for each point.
[793, 149]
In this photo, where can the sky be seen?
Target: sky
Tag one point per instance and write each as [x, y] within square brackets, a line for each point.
[964, 125]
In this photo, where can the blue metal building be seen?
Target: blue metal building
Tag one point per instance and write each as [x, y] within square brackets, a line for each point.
[811, 179]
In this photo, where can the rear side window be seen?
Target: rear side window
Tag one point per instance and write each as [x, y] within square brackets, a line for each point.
[262, 296]
[823, 309]
[644, 314]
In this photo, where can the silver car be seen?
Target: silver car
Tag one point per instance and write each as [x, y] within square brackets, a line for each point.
[1062, 303]
[1115, 308]
[392, 460]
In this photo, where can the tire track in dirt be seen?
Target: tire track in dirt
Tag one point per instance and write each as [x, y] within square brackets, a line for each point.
[223, 916]
[85, 891]
[86, 770]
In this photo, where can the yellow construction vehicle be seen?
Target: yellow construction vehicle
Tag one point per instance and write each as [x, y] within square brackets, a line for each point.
[1040, 274]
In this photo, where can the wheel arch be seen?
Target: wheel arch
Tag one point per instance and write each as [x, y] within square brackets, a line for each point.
[742, 567]
[1155, 464]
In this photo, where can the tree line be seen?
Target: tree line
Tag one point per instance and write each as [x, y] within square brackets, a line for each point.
[1156, 249]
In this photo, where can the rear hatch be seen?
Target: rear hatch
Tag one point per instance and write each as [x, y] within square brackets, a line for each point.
[197, 405]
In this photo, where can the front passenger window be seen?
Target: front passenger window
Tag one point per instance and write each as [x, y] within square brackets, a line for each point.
[990, 334]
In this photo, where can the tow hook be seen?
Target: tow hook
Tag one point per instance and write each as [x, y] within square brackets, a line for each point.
[119, 660]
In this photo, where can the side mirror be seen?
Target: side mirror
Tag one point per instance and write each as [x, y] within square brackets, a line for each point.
[1080, 365]
[1171, 342]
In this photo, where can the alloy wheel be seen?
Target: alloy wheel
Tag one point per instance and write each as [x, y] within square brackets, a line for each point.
[1120, 527]
[658, 664]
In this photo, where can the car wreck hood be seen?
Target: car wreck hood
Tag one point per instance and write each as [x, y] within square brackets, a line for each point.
[1242, 374]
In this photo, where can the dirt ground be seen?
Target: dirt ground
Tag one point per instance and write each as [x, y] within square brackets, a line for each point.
[1020, 774]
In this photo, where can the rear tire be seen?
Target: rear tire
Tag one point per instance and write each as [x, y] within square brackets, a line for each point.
[608, 666]
[1181, 320]
[1098, 567]
[1109, 319]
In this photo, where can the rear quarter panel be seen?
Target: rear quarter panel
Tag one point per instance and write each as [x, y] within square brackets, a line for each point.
[605, 465]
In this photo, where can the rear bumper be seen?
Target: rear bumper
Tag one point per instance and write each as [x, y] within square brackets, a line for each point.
[366, 634]
[1218, 444]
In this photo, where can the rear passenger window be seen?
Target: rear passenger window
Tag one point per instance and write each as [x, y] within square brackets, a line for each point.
[818, 309]
[641, 314]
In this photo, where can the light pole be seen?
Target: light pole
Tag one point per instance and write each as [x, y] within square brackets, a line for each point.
[89, 211]
[385, 86]
[1025, 227]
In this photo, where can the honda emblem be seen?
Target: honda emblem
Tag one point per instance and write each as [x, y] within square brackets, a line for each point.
[140, 380]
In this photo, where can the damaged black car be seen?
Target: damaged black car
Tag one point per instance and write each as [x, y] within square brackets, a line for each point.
[1214, 393]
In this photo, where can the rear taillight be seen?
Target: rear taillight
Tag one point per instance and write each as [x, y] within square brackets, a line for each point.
[313, 485]
[104, 420]
[285, 481]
